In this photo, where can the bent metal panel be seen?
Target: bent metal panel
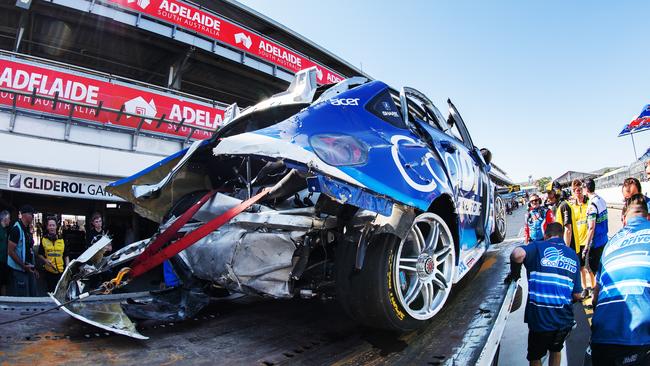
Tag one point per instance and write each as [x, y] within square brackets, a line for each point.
[73, 87]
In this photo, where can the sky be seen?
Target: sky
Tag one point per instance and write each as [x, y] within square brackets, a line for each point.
[545, 85]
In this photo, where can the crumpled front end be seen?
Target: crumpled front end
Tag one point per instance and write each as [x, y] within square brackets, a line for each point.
[308, 196]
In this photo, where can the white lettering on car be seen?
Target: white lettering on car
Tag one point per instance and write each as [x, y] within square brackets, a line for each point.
[468, 206]
[345, 101]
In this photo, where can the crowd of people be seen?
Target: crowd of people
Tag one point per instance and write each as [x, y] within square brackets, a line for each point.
[22, 263]
[565, 236]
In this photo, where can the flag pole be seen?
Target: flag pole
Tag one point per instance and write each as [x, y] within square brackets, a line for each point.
[634, 146]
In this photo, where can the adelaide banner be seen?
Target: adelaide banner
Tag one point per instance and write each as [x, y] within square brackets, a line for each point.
[219, 29]
[73, 87]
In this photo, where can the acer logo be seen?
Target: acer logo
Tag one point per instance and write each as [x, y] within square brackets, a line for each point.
[345, 101]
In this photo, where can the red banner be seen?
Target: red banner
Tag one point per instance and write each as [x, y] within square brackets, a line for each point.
[217, 28]
[25, 77]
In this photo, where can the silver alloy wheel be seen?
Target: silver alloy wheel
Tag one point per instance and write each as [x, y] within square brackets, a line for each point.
[424, 266]
[500, 216]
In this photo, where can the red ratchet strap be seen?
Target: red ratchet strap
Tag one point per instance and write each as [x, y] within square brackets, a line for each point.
[167, 235]
[192, 237]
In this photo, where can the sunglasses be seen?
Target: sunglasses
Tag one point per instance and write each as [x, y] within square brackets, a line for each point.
[536, 201]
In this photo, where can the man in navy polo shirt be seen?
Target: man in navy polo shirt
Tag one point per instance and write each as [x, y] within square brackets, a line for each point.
[553, 285]
[620, 329]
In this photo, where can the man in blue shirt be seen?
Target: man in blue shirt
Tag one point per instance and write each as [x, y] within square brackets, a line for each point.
[597, 224]
[553, 285]
[620, 329]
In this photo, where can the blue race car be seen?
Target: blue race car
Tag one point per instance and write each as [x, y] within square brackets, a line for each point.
[353, 190]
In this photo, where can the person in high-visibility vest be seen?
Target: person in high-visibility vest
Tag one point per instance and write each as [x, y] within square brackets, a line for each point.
[54, 254]
[573, 216]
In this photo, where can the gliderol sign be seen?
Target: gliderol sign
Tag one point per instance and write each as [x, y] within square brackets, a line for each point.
[58, 185]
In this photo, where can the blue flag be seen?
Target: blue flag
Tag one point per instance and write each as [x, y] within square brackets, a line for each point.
[641, 123]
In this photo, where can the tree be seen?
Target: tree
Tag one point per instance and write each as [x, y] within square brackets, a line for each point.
[542, 183]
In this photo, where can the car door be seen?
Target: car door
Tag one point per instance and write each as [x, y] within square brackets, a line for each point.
[452, 143]
[479, 195]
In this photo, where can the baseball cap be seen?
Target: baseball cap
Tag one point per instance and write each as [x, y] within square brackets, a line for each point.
[26, 209]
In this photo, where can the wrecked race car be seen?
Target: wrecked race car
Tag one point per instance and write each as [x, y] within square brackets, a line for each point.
[354, 191]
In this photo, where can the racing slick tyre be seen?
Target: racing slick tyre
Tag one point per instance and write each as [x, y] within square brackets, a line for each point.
[403, 283]
[500, 225]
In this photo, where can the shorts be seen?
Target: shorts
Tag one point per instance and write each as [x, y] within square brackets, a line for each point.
[594, 258]
[21, 284]
[539, 343]
[583, 262]
[4, 274]
[619, 355]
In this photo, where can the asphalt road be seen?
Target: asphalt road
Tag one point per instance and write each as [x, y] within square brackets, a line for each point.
[514, 342]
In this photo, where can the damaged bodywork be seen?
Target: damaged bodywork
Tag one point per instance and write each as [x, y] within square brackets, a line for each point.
[345, 191]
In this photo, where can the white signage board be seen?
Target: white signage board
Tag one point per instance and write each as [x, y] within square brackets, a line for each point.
[58, 185]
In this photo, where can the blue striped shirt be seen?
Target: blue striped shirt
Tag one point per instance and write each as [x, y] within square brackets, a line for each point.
[553, 277]
[622, 315]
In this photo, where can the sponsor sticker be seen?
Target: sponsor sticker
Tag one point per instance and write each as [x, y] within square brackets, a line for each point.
[345, 101]
[469, 207]
[553, 257]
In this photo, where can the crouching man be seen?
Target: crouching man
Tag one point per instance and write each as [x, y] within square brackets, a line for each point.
[553, 285]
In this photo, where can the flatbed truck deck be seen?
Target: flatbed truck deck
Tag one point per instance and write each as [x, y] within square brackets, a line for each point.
[273, 332]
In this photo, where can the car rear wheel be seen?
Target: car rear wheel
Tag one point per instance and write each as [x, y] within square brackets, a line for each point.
[403, 283]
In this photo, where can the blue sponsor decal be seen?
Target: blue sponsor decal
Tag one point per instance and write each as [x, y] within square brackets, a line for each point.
[553, 257]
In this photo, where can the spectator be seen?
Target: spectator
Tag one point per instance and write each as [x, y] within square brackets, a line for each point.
[596, 228]
[96, 231]
[632, 186]
[53, 253]
[20, 259]
[620, 329]
[578, 229]
[647, 170]
[5, 220]
[553, 285]
[563, 216]
[535, 219]
[553, 200]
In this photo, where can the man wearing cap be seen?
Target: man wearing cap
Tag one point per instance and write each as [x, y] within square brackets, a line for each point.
[535, 220]
[20, 259]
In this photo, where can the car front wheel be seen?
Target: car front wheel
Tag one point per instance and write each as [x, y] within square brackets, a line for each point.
[403, 283]
[500, 222]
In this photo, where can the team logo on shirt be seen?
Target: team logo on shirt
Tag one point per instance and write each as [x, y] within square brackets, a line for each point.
[553, 257]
